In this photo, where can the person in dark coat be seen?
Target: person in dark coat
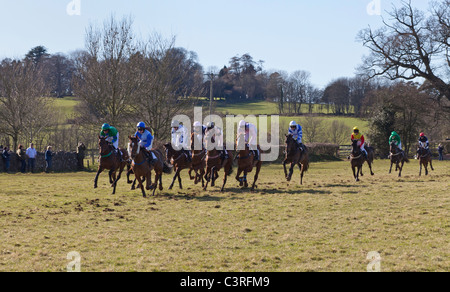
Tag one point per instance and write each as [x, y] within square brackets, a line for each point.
[21, 153]
[48, 159]
[6, 158]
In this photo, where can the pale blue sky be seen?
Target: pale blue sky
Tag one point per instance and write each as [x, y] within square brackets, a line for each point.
[317, 36]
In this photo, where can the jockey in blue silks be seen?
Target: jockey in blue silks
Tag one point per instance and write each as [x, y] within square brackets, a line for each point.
[145, 141]
[297, 133]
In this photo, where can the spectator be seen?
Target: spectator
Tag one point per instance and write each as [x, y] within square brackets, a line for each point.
[31, 153]
[441, 152]
[22, 158]
[48, 159]
[6, 158]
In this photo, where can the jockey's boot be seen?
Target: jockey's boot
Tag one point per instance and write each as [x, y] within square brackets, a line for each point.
[151, 160]
[188, 155]
[119, 154]
[256, 154]
[364, 152]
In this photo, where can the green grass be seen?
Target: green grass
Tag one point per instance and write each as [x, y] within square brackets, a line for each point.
[329, 224]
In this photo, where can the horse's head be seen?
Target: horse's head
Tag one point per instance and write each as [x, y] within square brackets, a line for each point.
[356, 150]
[290, 143]
[394, 148]
[240, 143]
[196, 140]
[103, 145]
[170, 152]
[133, 147]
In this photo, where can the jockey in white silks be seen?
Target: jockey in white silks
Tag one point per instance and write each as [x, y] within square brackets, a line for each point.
[251, 136]
[180, 139]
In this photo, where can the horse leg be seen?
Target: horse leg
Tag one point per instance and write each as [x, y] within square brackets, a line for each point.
[160, 182]
[202, 173]
[179, 180]
[420, 170]
[370, 167]
[392, 163]
[431, 164]
[156, 184]
[238, 177]
[245, 179]
[285, 169]
[191, 177]
[426, 168]
[174, 178]
[100, 170]
[401, 168]
[128, 175]
[141, 184]
[258, 169]
[302, 171]
[133, 186]
[207, 178]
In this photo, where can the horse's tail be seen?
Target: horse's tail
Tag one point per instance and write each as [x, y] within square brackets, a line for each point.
[167, 169]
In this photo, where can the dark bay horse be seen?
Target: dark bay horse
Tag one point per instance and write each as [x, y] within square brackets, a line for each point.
[179, 160]
[295, 156]
[214, 164]
[357, 159]
[424, 156]
[198, 161]
[246, 162]
[143, 170]
[110, 160]
[398, 158]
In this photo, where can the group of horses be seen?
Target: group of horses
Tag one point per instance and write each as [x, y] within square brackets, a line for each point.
[205, 165]
[397, 157]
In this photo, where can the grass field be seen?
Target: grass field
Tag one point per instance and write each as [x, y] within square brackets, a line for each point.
[329, 224]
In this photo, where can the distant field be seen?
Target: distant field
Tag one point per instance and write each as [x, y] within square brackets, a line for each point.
[329, 224]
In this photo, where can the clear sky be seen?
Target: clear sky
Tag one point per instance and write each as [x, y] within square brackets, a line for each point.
[318, 36]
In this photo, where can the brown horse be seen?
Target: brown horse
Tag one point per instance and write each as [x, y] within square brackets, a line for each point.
[198, 161]
[214, 163]
[142, 169]
[110, 160]
[246, 162]
[179, 160]
[398, 157]
[295, 156]
[357, 159]
[425, 157]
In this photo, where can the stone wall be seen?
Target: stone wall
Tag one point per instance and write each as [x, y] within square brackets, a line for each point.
[61, 162]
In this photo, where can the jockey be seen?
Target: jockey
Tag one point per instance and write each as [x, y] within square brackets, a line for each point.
[250, 132]
[423, 143]
[199, 131]
[145, 141]
[297, 133]
[180, 139]
[396, 139]
[360, 138]
[217, 133]
[112, 136]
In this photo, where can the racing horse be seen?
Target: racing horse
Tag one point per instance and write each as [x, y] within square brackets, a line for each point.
[398, 157]
[295, 156]
[215, 162]
[179, 160]
[424, 156]
[357, 159]
[246, 162]
[143, 170]
[198, 161]
[110, 160]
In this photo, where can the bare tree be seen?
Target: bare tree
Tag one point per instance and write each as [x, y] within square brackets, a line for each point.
[104, 78]
[23, 109]
[413, 45]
